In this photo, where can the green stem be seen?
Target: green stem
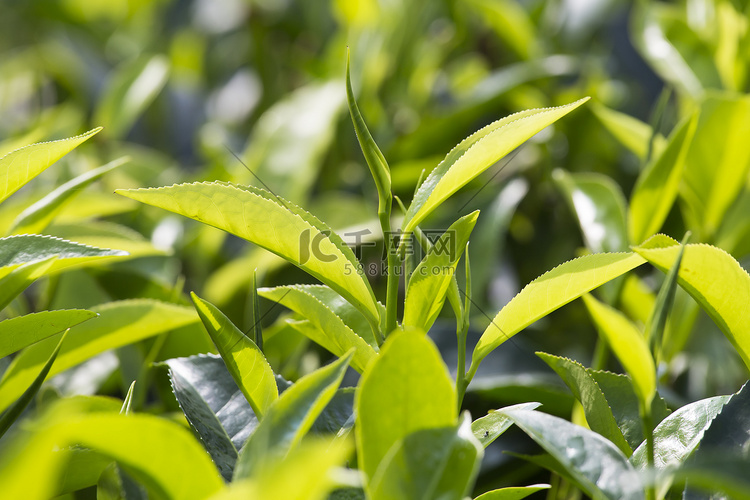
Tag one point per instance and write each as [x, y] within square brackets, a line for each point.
[461, 382]
[393, 279]
[648, 430]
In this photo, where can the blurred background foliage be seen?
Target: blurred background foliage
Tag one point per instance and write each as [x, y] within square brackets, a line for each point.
[192, 89]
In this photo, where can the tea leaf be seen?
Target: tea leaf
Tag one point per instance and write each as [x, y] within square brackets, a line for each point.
[512, 493]
[714, 279]
[477, 153]
[593, 461]
[22, 249]
[599, 415]
[628, 344]
[290, 417]
[332, 333]
[38, 216]
[119, 323]
[245, 361]
[429, 463]
[20, 166]
[632, 133]
[22, 331]
[488, 428]
[276, 225]
[680, 433]
[550, 291]
[409, 374]
[430, 280]
[20, 278]
[656, 188]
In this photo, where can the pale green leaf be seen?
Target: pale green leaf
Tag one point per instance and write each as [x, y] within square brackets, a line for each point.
[429, 463]
[632, 133]
[25, 248]
[106, 235]
[16, 281]
[628, 344]
[591, 460]
[550, 291]
[488, 428]
[477, 153]
[512, 493]
[511, 23]
[584, 387]
[275, 225]
[130, 90]
[22, 331]
[38, 216]
[657, 186]
[20, 166]
[430, 280]
[714, 279]
[407, 389]
[290, 417]
[333, 333]
[245, 361]
[119, 323]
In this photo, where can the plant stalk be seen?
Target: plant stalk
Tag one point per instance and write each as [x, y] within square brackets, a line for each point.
[648, 429]
[461, 382]
[393, 281]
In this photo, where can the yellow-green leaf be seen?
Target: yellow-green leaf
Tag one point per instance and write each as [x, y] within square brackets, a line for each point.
[20, 166]
[245, 362]
[477, 153]
[550, 291]
[628, 344]
[20, 332]
[630, 132]
[274, 224]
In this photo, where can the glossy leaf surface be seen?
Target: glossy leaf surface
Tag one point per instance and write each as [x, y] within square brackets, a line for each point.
[550, 291]
[245, 361]
[409, 375]
[20, 166]
[22, 331]
[512, 493]
[488, 428]
[477, 153]
[274, 224]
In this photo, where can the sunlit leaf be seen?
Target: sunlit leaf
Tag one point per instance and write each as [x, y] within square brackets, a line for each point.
[632, 133]
[290, 417]
[38, 216]
[550, 291]
[20, 166]
[657, 186]
[22, 331]
[429, 282]
[118, 324]
[275, 225]
[714, 279]
[628, 344]
[333, 333]
[596, 408]
[477, 153]
[594, 462]
[410, 375]
[512, 493]
[511, 23]
[245, 361]
[16, 281]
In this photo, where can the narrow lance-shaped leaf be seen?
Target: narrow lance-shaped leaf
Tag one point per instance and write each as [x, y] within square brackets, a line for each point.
[20, 278]
[119, 323]
[657, 186]
[20, 166]
[290, 417]
[375, 159]
[714, 279]
[274, 224]
[512, 493]
[411, 377]
[628, 344]
[38, 216]
[23, 331]
[550, 291]
[596, 408]
[431, 278]
[593, 461]
[11, 414]
[245, 361]
[665, 298]
[477, 153]
[128, 401]
[629, 131]
[330, 330]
